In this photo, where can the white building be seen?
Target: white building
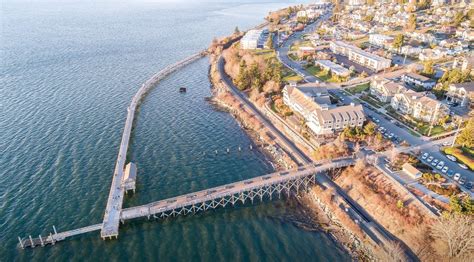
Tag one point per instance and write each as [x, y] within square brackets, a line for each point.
[333, 67]
[254, 39]
[360, 56]
[314, 105]
[380, 40]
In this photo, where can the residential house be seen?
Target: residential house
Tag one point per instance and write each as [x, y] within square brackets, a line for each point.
[417, 80]
[384, 89]
[412, 171]
[380, 40]
[333, 67]
[464, 63]
[463, 94]
[312, 102]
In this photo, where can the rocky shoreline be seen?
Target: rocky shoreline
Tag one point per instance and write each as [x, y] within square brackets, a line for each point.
[320, 215]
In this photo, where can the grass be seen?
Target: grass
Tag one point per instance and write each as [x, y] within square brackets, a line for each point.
[436, 130]
[462, 154]
[265, 53]
[296, 45]
[359, 88]
[371, 101]
[323, 74]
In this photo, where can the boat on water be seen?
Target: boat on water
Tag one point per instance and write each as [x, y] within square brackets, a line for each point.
[182, 89]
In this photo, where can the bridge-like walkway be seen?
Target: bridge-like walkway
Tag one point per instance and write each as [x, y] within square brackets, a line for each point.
[110, 224]
[221, 196]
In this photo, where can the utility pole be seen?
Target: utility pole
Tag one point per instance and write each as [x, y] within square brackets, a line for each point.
[432, 120]
[457, 132]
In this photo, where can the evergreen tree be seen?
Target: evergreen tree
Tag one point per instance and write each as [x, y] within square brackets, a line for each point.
[236, 30]
[411, 24]
[242, 81]
[466, 136]
[398, 41]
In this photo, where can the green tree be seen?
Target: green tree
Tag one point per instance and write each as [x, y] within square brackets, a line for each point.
[369, 129]
[254, 77]
[428, 68]
[458, 18]
[398, 41]
[411, 24]
[270, 41]
[236, 30]
[242, 80]
[466, 136]
[455, 204]
[400, 204]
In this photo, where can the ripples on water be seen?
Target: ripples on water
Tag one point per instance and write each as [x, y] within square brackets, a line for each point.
[68, 71]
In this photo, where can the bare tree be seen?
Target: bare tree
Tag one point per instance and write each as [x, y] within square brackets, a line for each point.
[456, 233]
[393, 252]
[393, 155]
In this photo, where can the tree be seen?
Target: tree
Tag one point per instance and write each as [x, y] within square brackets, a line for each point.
[369, 129]
[242, 80]
[270, 41]
[400, 204]
[236, 30]
[411, 24]
[428, 68]
[393, 252]
[254, 77]
[458, 18]
[456, 234]
[370, 2]
[466, 136]
[398, 41]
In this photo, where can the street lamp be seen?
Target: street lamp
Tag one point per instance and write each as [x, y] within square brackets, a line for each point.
[457, 132]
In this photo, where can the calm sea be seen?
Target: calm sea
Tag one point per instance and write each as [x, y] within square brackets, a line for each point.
[68, 71]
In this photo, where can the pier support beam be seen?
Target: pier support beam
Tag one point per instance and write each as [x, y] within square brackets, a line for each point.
[41, 240]
[21, 243]
[31, 241]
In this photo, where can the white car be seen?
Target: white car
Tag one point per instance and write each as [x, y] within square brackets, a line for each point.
[456, 176]
[440, 165]
[424, 156]
[435, 162]
[463, 166]
[445, 169]
[462, 180]
[429, 159]
[447, 143]
[452, 158]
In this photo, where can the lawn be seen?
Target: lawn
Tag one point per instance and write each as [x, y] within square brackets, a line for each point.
[297, 44]
[371, 101]
[462, 154]
[435, 131]
[359, 88]
[324, 75]
[289, 75]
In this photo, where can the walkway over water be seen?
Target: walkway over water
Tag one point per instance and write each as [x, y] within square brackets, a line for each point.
[221, 196]
[110, 224]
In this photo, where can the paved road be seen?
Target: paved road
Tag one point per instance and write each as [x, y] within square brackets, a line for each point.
[282, 51]
[287, 143]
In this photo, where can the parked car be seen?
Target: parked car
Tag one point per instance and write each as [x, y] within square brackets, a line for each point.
[456, 176]
[390, 136]
[440, 165]
[462, 180]
[424, 156]
[445, 169]
[450, 173]
[447, 143]
[452, 158]
[469, 185]
[429, 159]
[435, 162]
[463, 166]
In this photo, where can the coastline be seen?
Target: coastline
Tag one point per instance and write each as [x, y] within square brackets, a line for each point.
[318, 212]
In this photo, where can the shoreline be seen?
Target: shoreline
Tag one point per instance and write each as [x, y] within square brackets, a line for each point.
[320, 214]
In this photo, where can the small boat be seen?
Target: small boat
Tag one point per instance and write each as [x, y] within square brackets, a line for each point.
[182, 89]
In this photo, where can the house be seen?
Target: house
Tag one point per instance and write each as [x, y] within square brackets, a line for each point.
[419, 106]
[412, 171]
[305, 50]
[417, 80]
[312, 102]
[254, 39]
[464, 63]
[380, 40]
[384, 89]
[360, 56]
[130, 177]
[333, 67]
[463, 94]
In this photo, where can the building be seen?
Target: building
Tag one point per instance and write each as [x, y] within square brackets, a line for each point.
[333, 67]
[418, 81]
[355, 54]
[380, 40]
[419, 106]
[306, 50]
[464, 63]
[412, 171]
[462, 94]
[384, 89]
[312, 102]
[254, 39]
[130, 177]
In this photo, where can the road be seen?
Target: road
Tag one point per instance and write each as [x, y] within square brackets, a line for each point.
[287, 143]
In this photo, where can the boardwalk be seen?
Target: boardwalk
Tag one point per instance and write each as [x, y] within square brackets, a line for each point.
[221, 196]
[110, 224]
[55, 237]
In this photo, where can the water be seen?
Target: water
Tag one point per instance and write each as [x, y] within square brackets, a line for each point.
[68, 71]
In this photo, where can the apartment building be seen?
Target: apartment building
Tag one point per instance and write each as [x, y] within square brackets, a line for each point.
[384, 89]
[313, 104]
[355, 54]
[380, 40]
[254, 39]
[417, 80]
[419, 105]
[462, 94]
[333, 67]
